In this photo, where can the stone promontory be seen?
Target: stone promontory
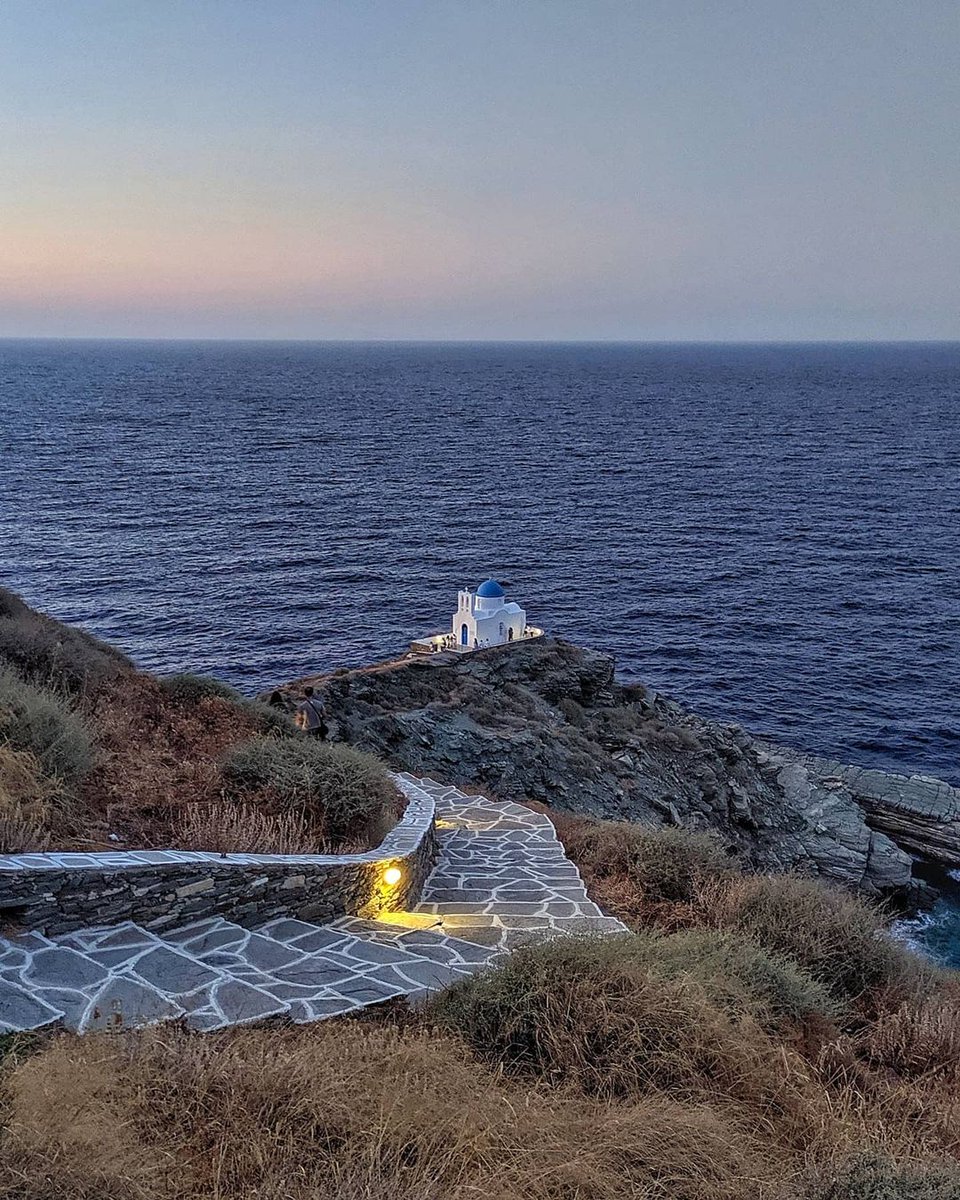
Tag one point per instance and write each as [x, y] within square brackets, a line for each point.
[548, 721]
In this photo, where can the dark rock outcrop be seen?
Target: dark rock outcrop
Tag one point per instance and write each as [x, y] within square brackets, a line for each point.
[919, 813]
[548, 721]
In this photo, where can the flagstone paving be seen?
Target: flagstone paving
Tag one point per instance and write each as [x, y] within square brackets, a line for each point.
[502, 878]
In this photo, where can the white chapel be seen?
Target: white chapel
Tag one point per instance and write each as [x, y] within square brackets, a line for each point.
[483, 618]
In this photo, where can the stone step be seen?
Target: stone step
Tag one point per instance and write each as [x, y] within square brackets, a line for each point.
[313, 971]
[98, 978]
[214, 973]
[503, 878]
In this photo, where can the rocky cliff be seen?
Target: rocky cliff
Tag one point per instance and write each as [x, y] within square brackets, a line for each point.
[548, 721]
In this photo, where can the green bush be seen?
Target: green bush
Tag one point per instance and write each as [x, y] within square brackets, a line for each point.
[51, 654]
[832, 935]
[271, 720]
[47, 726]
[626, 1014]
[340, 791]
[879, 1179]
[738, 975]
[185, 688]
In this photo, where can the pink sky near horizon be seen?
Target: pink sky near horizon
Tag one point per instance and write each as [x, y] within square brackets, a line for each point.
[435, 168]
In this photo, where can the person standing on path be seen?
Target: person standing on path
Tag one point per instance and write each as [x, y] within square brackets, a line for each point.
[311, 715]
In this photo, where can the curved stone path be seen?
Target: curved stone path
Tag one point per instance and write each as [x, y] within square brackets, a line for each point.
[501, 878]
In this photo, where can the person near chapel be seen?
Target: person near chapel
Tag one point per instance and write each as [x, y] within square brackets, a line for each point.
[312, 714]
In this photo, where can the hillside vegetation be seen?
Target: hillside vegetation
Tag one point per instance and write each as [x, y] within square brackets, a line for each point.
[95, 754]
[755, 1038]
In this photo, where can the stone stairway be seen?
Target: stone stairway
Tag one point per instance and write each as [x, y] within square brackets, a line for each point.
[502, 878]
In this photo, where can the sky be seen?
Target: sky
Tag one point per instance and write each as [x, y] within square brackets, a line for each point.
[480, 169]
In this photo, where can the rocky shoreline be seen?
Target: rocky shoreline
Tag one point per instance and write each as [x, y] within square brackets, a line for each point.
[549, 721]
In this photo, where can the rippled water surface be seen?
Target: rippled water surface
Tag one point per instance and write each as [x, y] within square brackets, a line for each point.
[771, 534]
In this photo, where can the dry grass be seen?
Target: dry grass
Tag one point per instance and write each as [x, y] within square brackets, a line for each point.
[186, 689]
[761, 1040]
[119, 757]
[345, 1112]
[918, 1040]
[18, 835]
[28, 802]
[359, 1111]
[695, 1065]
[53, 655]
[643, 875]
[156, 758]
[151, 762]
[24, 790]
[342, 793]
[161, 769]
[241, 829]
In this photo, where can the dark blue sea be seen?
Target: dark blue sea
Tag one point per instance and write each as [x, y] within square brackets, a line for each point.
[770, 534]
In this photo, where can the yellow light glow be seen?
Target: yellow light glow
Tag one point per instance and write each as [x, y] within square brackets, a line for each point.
[392, 876]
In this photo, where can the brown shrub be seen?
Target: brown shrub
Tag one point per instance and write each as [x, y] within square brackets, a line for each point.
[634, 868]
[834, 936]
[51, 654]
[341, 793]
[865, 1109]
[920, 1038]
[345, 1112]
[241, 829]
[597, 1013]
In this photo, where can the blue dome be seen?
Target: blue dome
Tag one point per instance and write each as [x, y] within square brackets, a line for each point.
[490, 590]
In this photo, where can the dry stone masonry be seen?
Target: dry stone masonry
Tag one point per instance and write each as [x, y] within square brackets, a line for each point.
[502, 878]
[161, 889]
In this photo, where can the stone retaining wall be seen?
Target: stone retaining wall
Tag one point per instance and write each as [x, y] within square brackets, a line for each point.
[161, 889]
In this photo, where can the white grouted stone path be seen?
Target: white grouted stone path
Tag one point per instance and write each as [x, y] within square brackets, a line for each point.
[502, 878]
